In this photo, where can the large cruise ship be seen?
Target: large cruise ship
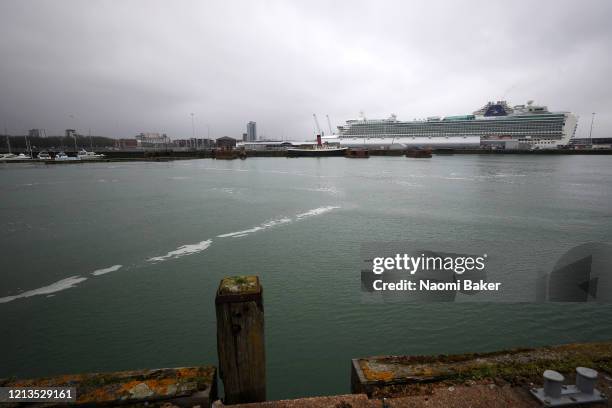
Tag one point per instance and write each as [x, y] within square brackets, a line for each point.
[496, 125]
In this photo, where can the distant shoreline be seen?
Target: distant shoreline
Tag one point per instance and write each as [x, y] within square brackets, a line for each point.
[119, 156]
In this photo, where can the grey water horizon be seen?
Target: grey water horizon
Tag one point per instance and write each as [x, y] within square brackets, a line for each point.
[112, 266]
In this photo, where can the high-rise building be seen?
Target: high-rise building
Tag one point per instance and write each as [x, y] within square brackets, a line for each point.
[251, 131]
[244, 137]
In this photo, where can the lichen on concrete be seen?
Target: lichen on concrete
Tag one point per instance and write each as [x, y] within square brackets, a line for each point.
[387, 374]
[129, 386]
[239, 285]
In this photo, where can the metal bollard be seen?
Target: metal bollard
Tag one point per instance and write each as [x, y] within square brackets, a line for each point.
[552, 383]
[586, 379]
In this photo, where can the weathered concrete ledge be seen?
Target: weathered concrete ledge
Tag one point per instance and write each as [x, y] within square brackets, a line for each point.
[393, 376]
[487, 380]
[484, 380]
[167, 387]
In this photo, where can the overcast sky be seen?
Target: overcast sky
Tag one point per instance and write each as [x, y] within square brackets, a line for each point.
[123, 67]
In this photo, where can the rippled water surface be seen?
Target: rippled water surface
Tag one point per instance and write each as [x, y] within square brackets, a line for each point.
[110, 266]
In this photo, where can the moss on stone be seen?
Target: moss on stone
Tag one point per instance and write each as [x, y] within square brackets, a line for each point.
[239, 285]
[514, 366]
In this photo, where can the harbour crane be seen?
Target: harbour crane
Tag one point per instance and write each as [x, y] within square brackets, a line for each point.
[314, 115]
[331, 132]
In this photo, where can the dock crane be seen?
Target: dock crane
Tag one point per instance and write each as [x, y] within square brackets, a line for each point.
[314, 115]
[331, 132]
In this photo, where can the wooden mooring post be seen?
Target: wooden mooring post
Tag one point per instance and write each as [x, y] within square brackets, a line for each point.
[240, 339]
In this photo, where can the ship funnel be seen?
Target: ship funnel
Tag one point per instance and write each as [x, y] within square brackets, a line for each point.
[318, 140]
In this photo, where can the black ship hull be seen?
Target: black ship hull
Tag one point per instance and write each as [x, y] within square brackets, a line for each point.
[329, 152]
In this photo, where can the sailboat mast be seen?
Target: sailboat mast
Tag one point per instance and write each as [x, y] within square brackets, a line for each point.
[27, 145]
[8, 140]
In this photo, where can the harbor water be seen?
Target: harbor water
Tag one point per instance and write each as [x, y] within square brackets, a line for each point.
[113, 266]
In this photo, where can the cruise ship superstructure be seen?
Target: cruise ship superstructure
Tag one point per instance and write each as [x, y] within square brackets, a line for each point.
[496, 124]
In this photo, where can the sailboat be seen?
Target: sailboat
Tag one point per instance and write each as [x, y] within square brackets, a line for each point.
[85, 155]
[91, 155]
[10, 155]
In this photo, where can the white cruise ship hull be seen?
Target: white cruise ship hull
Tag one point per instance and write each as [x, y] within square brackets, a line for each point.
[406, 142]
[496, 125]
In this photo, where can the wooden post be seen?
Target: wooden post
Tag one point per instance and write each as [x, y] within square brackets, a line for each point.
[240, 339]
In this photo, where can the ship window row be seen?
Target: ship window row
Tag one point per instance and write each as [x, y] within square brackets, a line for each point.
[461, 124]
[457, 126]
[483, 124]
[453, 130]
[525, 137]
[458, 133]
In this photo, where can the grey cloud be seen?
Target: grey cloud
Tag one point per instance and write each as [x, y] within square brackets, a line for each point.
[124, 67]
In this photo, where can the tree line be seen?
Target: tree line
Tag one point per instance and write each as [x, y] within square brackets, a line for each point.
[55, 142]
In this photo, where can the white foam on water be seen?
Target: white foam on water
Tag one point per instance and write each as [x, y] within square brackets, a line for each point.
[316, 211]
[330, 189]
[113, 268]
[58, 286]
[280, 221]
[281, 172]
[261, 227]
[456, 178]
[508, 175]
[228, 190]
[184, 250]
[223, 169]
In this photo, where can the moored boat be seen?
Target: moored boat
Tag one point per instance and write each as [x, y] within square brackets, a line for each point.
[226, 154]
[318, 150]
[11, 156]
[61, 156]
[495, 125]
[85, 155]
[44, 156]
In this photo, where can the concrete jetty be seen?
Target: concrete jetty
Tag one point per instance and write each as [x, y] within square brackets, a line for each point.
[500, 379]
[166, 387]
